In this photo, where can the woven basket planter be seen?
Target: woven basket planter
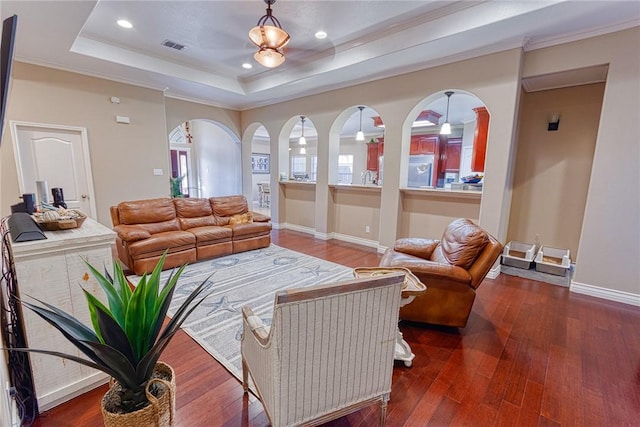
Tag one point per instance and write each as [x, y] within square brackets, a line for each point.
[159, 412]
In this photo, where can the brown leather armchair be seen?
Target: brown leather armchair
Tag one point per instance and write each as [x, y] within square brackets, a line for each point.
[452, 269]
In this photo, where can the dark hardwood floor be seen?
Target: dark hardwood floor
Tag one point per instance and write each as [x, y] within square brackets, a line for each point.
[532, 354]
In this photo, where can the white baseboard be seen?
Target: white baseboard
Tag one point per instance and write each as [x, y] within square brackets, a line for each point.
[357, 240]
[278, 226]
[300, 228]
[323, 236]
[494, 272]
[382, 249]
[54, 398]
[605, 293]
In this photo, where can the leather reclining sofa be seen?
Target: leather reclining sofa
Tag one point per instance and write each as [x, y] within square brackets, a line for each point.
[190, 229]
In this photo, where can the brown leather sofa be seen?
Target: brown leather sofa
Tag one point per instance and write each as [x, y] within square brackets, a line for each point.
[189, 229]
[452, 269]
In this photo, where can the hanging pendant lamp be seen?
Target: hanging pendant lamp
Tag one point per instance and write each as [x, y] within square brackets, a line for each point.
[302, 140]
[446, 126]
[360, 134]
[270, 38]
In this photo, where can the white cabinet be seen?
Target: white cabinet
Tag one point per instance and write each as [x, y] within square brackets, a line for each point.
[53, 271]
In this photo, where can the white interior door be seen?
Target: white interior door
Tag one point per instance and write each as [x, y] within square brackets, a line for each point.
[58, 155]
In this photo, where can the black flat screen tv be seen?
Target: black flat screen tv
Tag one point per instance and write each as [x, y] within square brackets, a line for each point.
[6, 61]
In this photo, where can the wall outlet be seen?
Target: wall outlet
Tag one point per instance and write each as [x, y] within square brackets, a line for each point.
[367, 229]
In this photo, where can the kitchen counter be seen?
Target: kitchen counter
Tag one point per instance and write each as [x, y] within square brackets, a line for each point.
[358, 187]
[443, 192]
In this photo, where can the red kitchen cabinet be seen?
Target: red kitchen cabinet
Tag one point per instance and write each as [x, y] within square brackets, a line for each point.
[478, 155]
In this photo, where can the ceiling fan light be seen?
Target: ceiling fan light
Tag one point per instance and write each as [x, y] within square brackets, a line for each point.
[269, 57]
[445, 129]
[269, 36]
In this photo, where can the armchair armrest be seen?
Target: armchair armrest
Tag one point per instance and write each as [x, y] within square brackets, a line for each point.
[131, 233]
[254, 324]
[422, 248]
[428, 271]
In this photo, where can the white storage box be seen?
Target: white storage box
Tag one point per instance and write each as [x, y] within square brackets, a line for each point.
[518, 254]
[553, 261]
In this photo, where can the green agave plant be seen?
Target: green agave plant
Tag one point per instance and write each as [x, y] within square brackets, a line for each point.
[127, 337]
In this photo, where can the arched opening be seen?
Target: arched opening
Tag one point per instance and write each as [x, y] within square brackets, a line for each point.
[449, 159]
[205, 160]
[303, 150]
[361, 147]
[261, 170]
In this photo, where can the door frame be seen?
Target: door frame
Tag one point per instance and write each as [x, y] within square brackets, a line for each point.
[16, 124]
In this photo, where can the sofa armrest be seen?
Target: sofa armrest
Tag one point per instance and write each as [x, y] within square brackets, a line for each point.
[422, 248]
[131, 233]
[258, 217]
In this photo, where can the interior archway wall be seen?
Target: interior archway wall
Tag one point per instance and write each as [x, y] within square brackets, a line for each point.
[492, 78]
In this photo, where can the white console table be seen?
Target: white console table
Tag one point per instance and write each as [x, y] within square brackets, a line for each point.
[53, 271]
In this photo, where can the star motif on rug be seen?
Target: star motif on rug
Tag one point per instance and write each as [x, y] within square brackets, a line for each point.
[222, 305]
[315, 270]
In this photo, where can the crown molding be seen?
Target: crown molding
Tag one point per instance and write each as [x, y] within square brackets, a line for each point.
[581, 35]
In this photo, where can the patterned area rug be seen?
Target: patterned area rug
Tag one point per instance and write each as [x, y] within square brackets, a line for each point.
[248, 278]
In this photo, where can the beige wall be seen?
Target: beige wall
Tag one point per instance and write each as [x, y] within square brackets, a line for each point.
[427, 215]
[299, 200]
[353, 210]
[122, 156]
[610, 237]
[553, 169]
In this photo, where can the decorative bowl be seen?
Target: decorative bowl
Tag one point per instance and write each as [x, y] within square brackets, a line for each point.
[474, 179]
[62, 224]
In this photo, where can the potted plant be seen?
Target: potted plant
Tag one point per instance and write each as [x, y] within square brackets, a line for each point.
[126, 341]
[176, 186]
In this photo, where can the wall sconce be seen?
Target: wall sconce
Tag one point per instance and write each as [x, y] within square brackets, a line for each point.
[554, 122]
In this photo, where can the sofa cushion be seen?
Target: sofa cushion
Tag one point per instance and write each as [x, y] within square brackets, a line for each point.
[172, 241]
[461, 243]
[211, 234]
[146, 211]
[193, 212]
[250, 229]
[192, 207]
[241, 218]
[229, 205]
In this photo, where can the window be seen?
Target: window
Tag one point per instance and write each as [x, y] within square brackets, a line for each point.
[314, 168]
[299, 167]
[345, 168]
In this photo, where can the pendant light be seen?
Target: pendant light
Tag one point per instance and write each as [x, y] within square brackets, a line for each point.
[302, 140]
[360, 134]
[446, 126]
[270, 39]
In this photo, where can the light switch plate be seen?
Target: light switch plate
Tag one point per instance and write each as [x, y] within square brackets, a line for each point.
[157, 172]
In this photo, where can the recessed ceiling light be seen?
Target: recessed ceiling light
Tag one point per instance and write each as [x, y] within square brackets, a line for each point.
[124, 23]
[321, 35]
[247, 66]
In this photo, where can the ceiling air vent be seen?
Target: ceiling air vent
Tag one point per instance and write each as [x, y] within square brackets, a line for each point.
[173, 45]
